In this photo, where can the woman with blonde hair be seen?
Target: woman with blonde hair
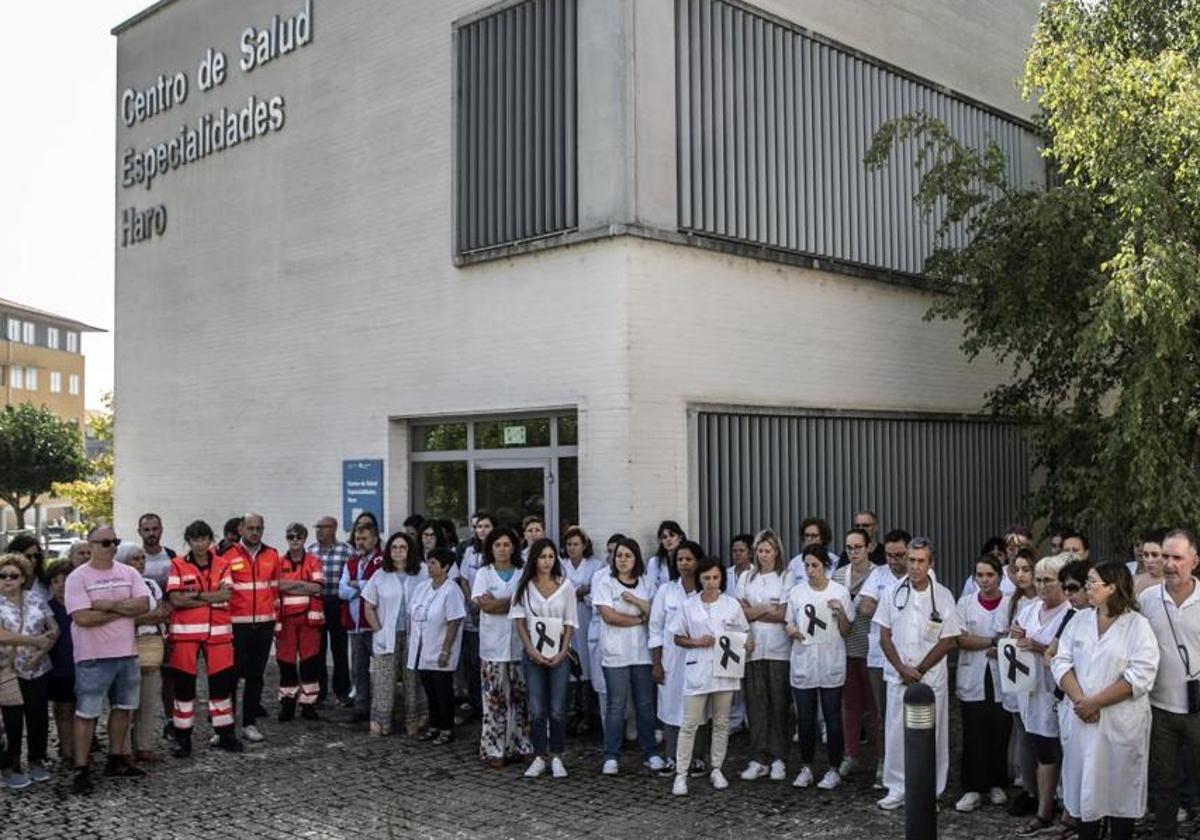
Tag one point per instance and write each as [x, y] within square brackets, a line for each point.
[763, 593]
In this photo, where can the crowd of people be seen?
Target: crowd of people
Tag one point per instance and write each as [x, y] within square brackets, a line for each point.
[1074, 680]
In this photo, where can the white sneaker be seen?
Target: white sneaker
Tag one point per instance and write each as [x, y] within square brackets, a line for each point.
[610, 767]
[891, 802]
[557, 770]
[680, 786]
[848, 766]
[754, 770]
[830, 780]
[778, 770]
[804, 778]
[251, 734]
[968, 802]
[654, 763]
[1181, 816]
[214, 741]
[997, 796]
[718, 779]
[536, 767]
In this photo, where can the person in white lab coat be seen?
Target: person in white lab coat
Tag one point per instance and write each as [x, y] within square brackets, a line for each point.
[1022, 763]
[666, 657]
[595, 659]
[1106, 664]
[705, 616]
[435, 618]
[581, 564]
[504, 719]
[818, 663]
[670, 535]
[985, 723]
[918, 626]
[1038, 624]
[763, 593]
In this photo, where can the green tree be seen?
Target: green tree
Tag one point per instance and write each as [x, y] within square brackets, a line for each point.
[37, 448]
[93, 496]
[1090, 287]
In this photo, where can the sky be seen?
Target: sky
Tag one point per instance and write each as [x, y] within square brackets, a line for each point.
[57, 163]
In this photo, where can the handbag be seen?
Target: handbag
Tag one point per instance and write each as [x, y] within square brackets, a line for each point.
[150, 651]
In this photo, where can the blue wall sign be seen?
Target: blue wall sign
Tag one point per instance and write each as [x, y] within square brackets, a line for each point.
[362, 490]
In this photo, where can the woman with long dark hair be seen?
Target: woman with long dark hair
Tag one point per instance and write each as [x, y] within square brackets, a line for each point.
[668, 659]
[385, 607]
[580, 565]
[669, 535]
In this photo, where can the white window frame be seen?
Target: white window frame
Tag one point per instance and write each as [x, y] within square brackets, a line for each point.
[52, 338]
[29, 332]
[73, 384]
[14, 330]
[55, 382]
[31, 379]
[72, 342]
[16, 376]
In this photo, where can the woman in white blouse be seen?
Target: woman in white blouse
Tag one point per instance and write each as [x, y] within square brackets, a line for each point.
[435, 618]
[763, 593]
[819, 618]
[623, 599]
[504, 727]
[1106, 664]
[668, 658]
[545, 616]
[580, 565]
[704, 618]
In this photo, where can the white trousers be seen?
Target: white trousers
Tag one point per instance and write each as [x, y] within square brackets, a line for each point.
[893, 759]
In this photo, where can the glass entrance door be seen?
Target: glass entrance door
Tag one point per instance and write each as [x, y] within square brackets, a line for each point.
[512, 490]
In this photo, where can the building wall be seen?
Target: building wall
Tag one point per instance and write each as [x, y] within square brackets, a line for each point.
[46, 361]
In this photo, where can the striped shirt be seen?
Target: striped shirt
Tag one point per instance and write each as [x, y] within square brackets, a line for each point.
[332, 560]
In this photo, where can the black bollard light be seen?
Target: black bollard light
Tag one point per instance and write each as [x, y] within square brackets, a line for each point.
[920, 763]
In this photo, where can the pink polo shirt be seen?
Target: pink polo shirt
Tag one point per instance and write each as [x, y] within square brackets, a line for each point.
[85, 585]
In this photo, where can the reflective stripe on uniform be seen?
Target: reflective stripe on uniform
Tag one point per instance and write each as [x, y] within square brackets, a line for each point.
[253, 619]
[179, 629]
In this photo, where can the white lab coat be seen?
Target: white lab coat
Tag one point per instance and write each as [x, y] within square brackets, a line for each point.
[1039, 708]
[580, 576]
[428, 616]
[621, 647]
[770, 639]
[668, 602]
[1105, 763]
[818, 665]
[696, 620]
[977, 621]
[593, 631]
[498, 641]
[908, 614]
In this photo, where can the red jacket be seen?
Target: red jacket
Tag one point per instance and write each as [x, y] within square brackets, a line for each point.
[358, 568]
[210, 622]
[255, 581]
[310, 609]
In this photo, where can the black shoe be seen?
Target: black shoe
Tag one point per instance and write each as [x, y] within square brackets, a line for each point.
[1022, 805]
[183, 745]
[360, 717]
[230, 743]
[429, 734]
[82, 784]
[309, 713]
[168, 730]
[444, 737]
[121, 767]
[698, 768]
[259, 711]
[345, 702]
[287, 709]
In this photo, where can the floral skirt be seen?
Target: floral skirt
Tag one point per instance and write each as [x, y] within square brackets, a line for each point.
[504, 732]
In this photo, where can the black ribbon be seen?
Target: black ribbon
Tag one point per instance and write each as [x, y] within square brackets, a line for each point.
[813, 621]
[1014, 664]
[543, 639]
[727, 654]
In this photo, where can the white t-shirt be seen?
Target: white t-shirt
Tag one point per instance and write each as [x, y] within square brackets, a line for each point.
[698, 619]
[156, 598]
[819, 664]
[910, 616]
[770, 638]
[1007, 587]
[385, 591]
[533, 605]
[877, 586]
[428, 616]
[158, 566]
[621, 647]
[497, 641]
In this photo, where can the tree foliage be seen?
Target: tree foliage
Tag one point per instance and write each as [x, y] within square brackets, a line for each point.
[93, 496]
[37, 448]
[1088, 287]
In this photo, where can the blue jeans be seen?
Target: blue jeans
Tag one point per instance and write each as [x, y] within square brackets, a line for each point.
[547, 689]
[831, 709]
[619, 681]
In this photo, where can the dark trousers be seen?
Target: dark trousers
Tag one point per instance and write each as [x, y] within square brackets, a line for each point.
[251, 650]
[333, 638]
[468, 668]
[439, 692]
[831, 709]
[986, 728]
[767, 690]
[31, 719]
[1119, 828]
[1171, 736]
[221, 685]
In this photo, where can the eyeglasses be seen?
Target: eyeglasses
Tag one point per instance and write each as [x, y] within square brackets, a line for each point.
[10, 576]
[106, 543]
[1046, 581]
[1071, 588]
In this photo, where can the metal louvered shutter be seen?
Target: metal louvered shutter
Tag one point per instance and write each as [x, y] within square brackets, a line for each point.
[516, 125]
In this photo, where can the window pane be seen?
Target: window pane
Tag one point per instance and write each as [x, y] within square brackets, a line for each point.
[443, 437]
[568, 495]
[440, 491]
[568, 431]
[511, 434]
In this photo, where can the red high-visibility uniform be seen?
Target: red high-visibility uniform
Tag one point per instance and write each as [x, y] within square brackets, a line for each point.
[298, 631]
[201, 630]
[254, 583]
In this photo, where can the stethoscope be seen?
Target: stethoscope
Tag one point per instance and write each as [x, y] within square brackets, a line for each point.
[906, 585]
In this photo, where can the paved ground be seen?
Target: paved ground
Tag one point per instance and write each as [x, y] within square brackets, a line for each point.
[330, 780]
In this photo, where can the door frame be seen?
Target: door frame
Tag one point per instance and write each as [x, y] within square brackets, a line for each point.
[549, 468]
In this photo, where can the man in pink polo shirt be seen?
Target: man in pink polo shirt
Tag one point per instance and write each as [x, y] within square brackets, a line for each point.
[103, 598]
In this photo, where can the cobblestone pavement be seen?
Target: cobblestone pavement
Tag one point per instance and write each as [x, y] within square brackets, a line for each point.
[330, 780]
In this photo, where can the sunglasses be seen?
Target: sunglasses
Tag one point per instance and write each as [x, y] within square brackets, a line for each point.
[295, 536]
[1071, 587]
[106, 543]
[11, 576]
